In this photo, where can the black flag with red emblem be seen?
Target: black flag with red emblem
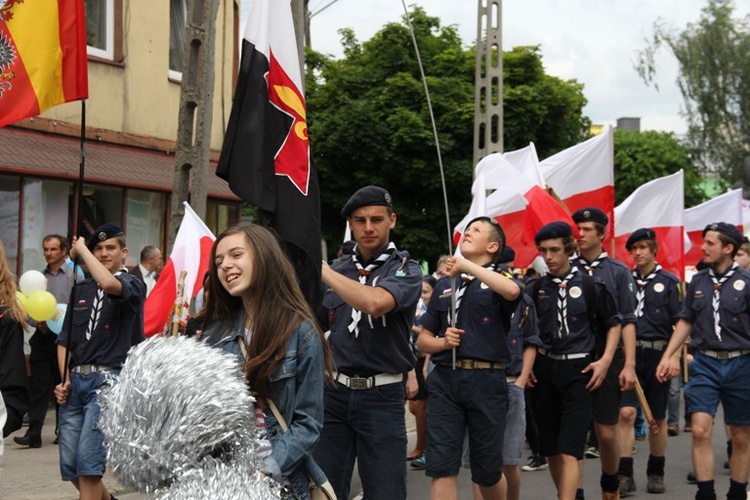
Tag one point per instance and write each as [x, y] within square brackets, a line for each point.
[266, 153]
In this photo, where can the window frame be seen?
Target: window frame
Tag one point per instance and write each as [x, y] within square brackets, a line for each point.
[109, 52]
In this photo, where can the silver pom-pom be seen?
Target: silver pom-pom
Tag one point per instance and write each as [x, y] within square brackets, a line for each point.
[177, 406]
[219, 480]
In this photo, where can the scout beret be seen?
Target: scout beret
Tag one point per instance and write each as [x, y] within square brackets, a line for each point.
[494, 224]
[365, 197]
[104, 232]
[590, 214]
[507, 255]
[726, 229]
[641, 234]
[557, 229]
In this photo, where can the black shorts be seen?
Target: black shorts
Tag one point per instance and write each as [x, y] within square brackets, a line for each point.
[421, 394]
[657, 393]
[461, 400]
[563, 405]
[606, 399]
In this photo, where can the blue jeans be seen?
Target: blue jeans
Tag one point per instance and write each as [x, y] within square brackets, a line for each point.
[368, 426]
[82, 451]
[675, 393]
[713, 381]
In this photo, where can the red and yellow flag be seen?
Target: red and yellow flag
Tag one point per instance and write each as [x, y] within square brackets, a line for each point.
[42, 56]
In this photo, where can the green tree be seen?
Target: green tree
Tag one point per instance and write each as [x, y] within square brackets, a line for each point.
[644, 156]
[714, 79]
[369, 124]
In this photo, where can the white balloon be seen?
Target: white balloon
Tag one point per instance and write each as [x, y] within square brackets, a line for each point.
[32, 281]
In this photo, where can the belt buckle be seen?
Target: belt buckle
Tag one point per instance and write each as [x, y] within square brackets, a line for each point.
[359, 383]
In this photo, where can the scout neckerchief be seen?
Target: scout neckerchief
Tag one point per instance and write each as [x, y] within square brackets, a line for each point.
[717, 294]
[363, 272]
[562, 302]
[96, 307]
[466, 280]
[589, 268]
[640, 294]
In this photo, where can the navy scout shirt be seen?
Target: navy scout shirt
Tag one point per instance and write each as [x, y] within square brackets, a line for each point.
[619, 282]
[523, 332]
[734, 312]
[383, 343]
[119, 328]
[483, 314]
[581, 337]
[661, 306]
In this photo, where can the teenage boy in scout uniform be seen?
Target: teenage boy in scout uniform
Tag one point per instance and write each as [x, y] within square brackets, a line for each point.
[716, 314]
[107, 322]
[574, 313]
[659, 298]
[615, 276]
[369, 308]
[474, 395]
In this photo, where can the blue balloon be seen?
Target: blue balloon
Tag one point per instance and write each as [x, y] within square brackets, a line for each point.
[55, 323]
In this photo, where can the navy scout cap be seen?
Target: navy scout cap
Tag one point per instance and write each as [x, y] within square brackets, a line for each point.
[104, 232]
[557, 229]
[726, 229]
[494, 224]
[641, 234]
[590, 214]
[507, 255]
[365, 197]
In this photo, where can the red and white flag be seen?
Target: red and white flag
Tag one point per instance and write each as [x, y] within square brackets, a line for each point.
[527, 162]
[658, 205]
[583, 175]
[191, 252]
[520, 206]
[724, 208]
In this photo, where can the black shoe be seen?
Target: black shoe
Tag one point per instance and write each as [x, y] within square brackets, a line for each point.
[536, 462]
[691, 477]
[30, 441]
[56, 441]
[419, 463]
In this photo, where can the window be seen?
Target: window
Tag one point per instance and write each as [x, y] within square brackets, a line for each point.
[100, 28]
[177, 23]
[144, 222]
[10, 201]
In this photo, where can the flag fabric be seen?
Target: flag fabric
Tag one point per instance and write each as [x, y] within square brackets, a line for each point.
[527, 162]
[266, 153]
[658, 205]
[724, 208]
[191, 252]
[520, 206]
[43, 59]
[583, 175]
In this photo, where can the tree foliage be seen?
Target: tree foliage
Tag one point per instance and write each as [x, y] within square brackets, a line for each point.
[643, 156]
[714, 79]
[369, 124]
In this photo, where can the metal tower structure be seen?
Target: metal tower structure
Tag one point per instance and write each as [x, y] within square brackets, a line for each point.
[488, 80]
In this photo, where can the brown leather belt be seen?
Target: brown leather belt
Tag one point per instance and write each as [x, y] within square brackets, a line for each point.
[474, 364]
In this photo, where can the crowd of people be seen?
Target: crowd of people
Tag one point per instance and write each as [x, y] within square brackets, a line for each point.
[485, 357]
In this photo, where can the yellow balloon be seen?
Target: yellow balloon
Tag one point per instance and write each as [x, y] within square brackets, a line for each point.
[41, 305]
[22, 299]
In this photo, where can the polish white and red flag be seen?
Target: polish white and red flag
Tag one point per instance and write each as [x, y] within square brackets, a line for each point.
[191, 252]
[657, 205]
[724, 208]
[519, 205]
[583, 175]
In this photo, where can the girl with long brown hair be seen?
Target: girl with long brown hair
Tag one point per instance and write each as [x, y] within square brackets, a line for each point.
[255, 309]
[13, 385]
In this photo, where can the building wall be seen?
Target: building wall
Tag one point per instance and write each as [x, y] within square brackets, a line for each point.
[137, 96]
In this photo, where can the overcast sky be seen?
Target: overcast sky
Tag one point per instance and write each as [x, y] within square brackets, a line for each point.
[593, 41]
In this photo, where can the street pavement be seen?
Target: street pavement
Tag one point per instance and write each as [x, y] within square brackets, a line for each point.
[33, 474]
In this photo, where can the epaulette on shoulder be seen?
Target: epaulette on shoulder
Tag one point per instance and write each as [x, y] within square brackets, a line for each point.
[671, 276]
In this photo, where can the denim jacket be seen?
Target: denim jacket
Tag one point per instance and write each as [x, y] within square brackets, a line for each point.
[296, 387]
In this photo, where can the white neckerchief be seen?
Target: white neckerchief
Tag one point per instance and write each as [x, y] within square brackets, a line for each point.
[640, 294]
[363, 272]
[589, 268]
[466, 280]
[96, 307]
[717, 294]
[562, 302]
